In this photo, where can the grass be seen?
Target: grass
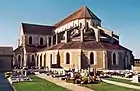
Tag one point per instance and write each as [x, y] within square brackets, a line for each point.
[38, 85]
[123, 81]
[107, 87]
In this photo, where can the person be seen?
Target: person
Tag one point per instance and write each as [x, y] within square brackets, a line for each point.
[71, 74]
[82, 73]
[98, 78]
[77, 78]
[73, 69]
[69, 69]
[47, 69]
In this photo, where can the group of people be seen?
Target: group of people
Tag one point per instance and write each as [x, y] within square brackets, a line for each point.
[83, 76]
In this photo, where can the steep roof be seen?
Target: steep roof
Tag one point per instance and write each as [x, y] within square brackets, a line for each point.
[83, 12]
[34, 48]
[85, 45]
[28, 48]
[18, 49]
[37, 29]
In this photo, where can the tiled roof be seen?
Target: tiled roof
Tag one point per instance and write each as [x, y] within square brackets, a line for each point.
[85, 45]
[37, 29]
[6, 50]
[33, 48]
[83, 12]
[57, 46]
[28, 48]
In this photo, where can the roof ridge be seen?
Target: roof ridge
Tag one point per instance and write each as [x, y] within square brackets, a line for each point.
[37, 24]
[61, 46]
[83, 12]
[67, 16]
[92, 14]
[102, 45]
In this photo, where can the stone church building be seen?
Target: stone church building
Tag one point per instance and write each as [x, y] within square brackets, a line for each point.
[78, 41]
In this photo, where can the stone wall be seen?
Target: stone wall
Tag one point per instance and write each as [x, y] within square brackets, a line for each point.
[98, 58]
[121, 58]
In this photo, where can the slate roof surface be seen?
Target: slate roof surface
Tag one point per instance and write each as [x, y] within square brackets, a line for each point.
[85, 45]
[83, 12]
[37, 29]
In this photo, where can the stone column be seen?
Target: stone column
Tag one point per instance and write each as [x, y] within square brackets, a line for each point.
[97, 34]
[51, 40]
[47, 41]
[42, 60]
[104, 60]
[25, 60]
[39, 61]
[57, 38]
[79, 66]
[35, 60]
[66, 36]
[56, 58]
[36, 39]
[49, 65]
[82, 35]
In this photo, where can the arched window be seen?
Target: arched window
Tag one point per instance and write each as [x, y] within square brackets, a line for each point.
[41, 41]
[91, 58]
[67, 58]
[32, 57]
[40, 60]
[80, 25]
[30, 40]
[45, 60]
[86, 27]
[49, 41]
[33, 61]
[58, 60]
[114, 59]
[50, 59]
[19, 60]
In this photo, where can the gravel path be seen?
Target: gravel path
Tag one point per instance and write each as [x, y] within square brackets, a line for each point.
[121, 84]
[64, 84]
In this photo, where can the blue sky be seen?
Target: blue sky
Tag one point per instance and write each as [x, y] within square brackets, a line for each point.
[122, 16]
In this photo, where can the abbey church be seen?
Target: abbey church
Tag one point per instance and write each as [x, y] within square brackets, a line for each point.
[78, 41]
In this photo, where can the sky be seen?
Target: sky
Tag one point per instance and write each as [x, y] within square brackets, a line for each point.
[121, 16]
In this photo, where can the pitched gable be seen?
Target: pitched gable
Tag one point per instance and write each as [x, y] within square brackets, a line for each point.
[83, 12]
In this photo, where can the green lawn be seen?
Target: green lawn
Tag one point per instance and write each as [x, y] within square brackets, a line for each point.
[123, 81]
[107, 87]
[38, 85]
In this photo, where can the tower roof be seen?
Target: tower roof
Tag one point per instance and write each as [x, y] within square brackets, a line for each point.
[83, 12]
